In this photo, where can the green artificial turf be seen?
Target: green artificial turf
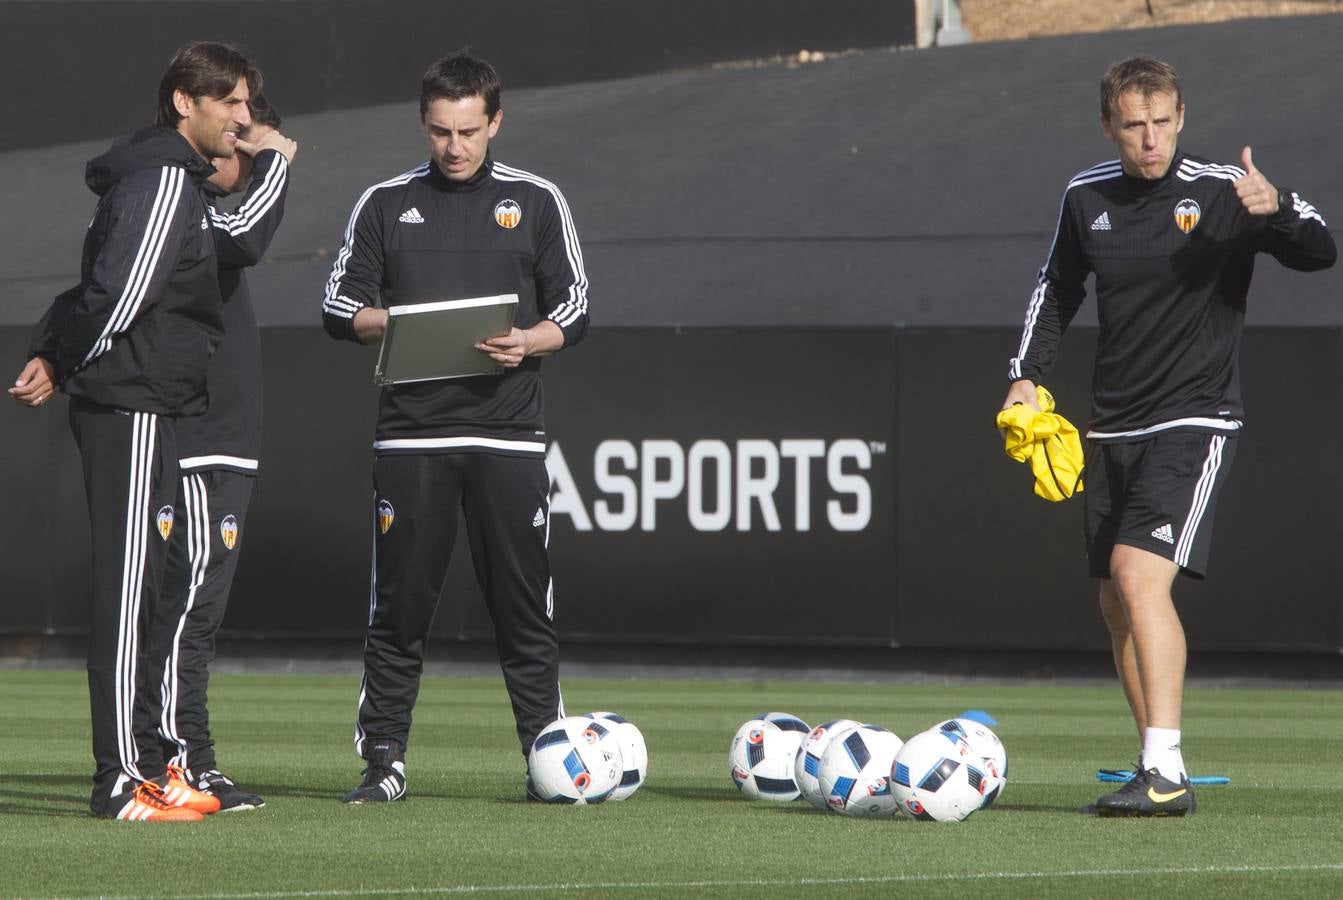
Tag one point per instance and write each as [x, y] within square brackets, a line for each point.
[1273, 832]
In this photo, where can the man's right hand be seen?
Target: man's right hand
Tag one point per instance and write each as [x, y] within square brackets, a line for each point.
[370, 323]
[35, 384]
[1022, 391]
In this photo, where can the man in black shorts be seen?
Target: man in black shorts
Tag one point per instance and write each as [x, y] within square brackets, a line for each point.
[1171, 239]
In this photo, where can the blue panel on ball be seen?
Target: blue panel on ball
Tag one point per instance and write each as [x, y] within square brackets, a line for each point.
[938, 776]
[900, 775]
[858, 751]
[775, 785]
[791, 725]
[953, 728]
[573, 765]
[812, 765]
[974, 776]
[630, 776]
[843, 788]
[755, 753]
[550, 738]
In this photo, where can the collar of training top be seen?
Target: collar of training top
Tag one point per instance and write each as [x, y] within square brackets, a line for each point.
[440, 181]
[1142, 186]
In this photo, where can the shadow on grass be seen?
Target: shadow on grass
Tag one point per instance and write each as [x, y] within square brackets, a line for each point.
[54, 801]
[338, 793]
[690, 793]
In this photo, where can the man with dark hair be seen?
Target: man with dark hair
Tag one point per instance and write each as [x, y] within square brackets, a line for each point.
[1172, 240]
[129, 345]
[460, 226]
[217, 462]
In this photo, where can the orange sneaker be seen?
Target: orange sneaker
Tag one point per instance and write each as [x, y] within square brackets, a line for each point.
[179, 792]
[147, 804]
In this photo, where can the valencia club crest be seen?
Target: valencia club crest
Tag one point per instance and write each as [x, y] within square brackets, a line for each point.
[228, 531]
[1187, 215]
[508, 214]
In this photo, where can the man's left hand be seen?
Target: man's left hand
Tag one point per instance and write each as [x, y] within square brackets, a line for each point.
[509, 350]
[1257, 194]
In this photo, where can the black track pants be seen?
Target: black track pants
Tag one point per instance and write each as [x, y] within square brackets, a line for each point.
[130, 468]
[202, 557]
[505, 501]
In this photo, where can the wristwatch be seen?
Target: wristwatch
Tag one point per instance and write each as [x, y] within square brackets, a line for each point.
[1285, 202]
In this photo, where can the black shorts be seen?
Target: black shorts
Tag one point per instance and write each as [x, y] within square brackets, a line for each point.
[1157, 494]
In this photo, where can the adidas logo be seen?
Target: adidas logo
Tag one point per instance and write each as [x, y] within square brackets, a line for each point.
[413, 216]
[1164, 533]
[539, 519]
[1102, 222]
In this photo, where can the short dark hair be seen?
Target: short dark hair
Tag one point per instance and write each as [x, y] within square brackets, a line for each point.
[458, 76]
[1144, 74]
[262, 112]
[203, 69]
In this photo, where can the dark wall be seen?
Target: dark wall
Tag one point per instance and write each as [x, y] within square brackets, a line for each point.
[339, 54]
[916, 530]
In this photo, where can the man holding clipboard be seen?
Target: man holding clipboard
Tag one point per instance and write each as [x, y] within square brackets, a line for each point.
[455, 237]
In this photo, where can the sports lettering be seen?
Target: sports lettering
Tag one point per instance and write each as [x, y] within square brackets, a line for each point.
[717, 485]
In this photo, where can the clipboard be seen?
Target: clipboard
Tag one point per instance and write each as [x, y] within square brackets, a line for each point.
[433, 341]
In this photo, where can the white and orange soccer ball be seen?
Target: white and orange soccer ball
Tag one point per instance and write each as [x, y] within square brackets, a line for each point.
[855, 770]
[760, 759]
[807, 766]
[575, 760]
[936, 778]
[633, 752]
[984, 750]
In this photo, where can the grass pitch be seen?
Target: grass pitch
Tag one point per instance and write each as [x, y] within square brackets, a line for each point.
[1273, 832]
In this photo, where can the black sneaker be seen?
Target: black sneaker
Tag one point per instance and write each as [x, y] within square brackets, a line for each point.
[384, 777]
[532, 795]
[231, 798]
[1149, 794]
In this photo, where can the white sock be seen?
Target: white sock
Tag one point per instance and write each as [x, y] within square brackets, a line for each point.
[1161, 751]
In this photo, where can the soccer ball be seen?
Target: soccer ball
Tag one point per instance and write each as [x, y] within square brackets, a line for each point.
[936, 778]
[575, 760]
[807, 766]
[986, 753]
[855, 770]
[633, 752]
[786, 721]
[760, 759]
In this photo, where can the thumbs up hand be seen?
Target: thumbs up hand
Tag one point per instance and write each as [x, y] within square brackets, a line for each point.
[1256, 193]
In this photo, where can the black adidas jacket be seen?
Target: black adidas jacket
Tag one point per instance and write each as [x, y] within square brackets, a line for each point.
[228, 435]
[420, 237]
[1172, 259]
[138, 330]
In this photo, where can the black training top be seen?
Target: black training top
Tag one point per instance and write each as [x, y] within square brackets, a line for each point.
[136, 332]
[1172, 259]
[228, 435]
[420, 237]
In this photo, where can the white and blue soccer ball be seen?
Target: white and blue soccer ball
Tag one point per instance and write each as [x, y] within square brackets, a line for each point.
[935, 778]
[575, 760]
[807, 766]
[786, 721]
[986, 752]
[760, 759]
[633, 752]
[854, 774]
